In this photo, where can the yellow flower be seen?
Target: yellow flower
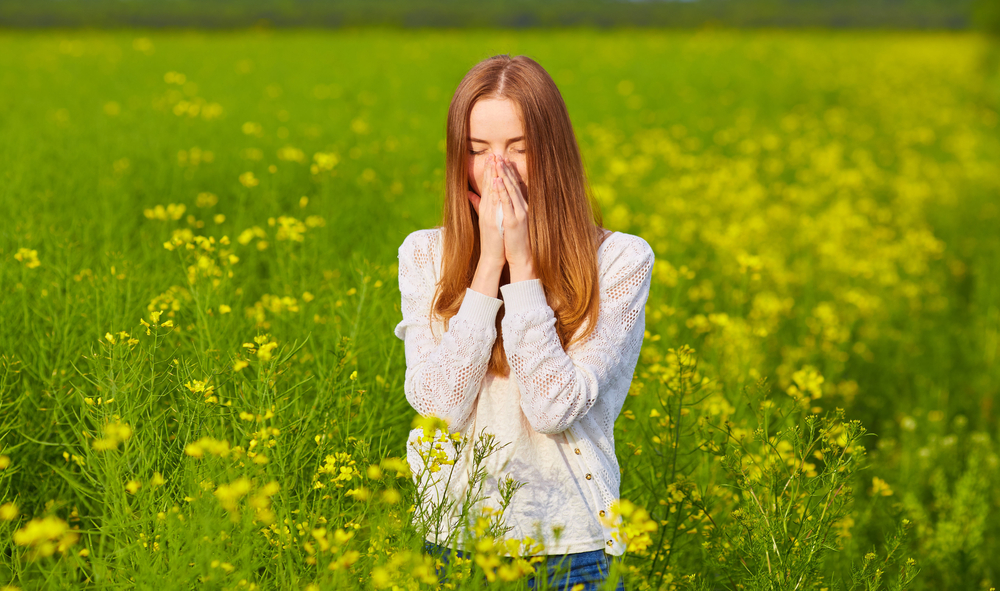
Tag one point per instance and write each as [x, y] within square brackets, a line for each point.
[27, 256]
[230, 494]
[157, 479]
[264, 352]
[8, 511]
[4, 462]
[224, 309]
[880, 487]
[631, 523]
[46, 536]
[247, 179]
[114, 433]
[215, 447]
[360, 494]
[133, 486]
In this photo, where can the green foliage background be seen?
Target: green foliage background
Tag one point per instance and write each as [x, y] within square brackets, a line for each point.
[890, 14]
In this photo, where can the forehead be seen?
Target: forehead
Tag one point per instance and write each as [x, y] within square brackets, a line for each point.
[495, 119]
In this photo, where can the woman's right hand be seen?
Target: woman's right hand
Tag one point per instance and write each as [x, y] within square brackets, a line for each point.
[492, 251]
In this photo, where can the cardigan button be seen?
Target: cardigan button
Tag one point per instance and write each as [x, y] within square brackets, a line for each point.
[602, 513]
[609, 543]
[577, 450]
[588, 476]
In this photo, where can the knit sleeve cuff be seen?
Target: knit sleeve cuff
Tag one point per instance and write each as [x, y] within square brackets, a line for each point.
[478, 308]
[523, 296]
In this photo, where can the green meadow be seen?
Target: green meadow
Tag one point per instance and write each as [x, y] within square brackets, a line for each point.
[199, 384]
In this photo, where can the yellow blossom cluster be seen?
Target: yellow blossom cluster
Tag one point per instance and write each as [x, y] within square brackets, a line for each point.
[273, 304]
[291, 154]
[323, 542]
[631, 524]
[204, 388]
[229, 496]
[27, 256]
[323, 162]
[880, 487]
[507, 560]
[173, 211]
[431, 445]
[806, 386]
[115, 432]
[403, 570]
[263, 438]
[216, 447]
[262, 347]
[289, 228]
[45, 536]
[154, 321]
[9, 511]
[197, 106]
[121, 337]
[338, 469]
[248, 179]
[208, 260]
[168, 302]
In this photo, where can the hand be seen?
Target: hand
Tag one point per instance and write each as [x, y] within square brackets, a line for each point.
[517, 244]
[491, 243]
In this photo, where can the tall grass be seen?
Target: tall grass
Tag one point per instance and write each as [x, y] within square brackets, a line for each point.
[199, 385]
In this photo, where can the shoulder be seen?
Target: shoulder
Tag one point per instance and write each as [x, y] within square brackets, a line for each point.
[421, 246]
[624, 254]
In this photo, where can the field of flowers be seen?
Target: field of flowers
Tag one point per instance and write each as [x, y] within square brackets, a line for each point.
[199, 385]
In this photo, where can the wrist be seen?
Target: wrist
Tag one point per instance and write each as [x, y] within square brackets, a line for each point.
[487, 278]
[490, 264]
[522, 272]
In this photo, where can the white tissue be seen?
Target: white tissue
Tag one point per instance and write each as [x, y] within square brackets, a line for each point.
[500, 219]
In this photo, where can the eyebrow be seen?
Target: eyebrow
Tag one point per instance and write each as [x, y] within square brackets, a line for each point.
[510, 141]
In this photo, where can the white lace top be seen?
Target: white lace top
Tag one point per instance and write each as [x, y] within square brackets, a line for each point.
[556, 410]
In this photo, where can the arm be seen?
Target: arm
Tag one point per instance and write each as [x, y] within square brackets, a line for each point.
[558, 388]
[443, 374]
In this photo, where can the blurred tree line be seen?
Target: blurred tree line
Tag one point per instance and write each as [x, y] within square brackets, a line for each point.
[892, 14]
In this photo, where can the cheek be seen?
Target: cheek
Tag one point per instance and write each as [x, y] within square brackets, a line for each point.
[475, 171]
[522, 169]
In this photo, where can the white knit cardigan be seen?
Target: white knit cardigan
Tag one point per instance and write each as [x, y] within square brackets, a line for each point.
[580, 390]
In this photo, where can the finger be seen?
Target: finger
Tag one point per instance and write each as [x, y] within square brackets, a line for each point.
[505, 199]
[514, 188]
[511, 192]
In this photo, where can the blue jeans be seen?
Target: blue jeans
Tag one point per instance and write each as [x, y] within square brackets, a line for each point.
[563, 572]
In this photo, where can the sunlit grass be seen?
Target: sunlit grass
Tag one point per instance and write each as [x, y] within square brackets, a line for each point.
[198, 377]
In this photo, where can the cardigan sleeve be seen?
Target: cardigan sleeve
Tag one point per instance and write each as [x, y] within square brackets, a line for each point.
[443, 372]
[557, 387]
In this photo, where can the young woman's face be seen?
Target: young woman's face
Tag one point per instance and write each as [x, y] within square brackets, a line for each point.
[495, 128]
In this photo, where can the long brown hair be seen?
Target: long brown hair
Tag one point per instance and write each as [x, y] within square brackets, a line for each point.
[564, 221]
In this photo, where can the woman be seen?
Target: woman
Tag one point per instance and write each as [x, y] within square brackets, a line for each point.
[545, 364]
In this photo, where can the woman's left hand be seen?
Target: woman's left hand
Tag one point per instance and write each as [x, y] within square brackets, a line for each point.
[517, 245]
